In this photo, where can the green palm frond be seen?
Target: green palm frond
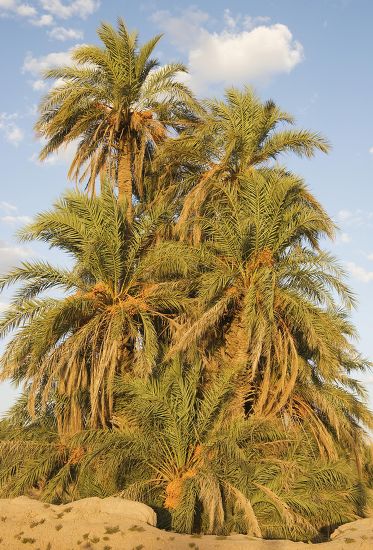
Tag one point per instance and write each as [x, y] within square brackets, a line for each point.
[117, 105]
[115, 301]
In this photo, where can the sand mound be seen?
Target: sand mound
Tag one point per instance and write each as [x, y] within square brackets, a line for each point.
[118, 524]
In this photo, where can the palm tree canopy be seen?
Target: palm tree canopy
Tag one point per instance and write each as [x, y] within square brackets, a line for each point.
[267, 303]
[175, 445]
[116, 103]
[232, 137]
[110, 315]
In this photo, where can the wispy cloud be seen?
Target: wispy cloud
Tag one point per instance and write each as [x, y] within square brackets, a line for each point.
[62, 34]
[35, 66]
[344, 215]
[14, 135]
[245, 49]
[354, 218]
[11, 131]
[45, 13]
[17, 8]
[38, 85]
[10, 255]
[359, 272]
[345, 238]
[45, 20]
[64, 156]
[75, 8]
[13, 220]
[9, 214]
[7, 207]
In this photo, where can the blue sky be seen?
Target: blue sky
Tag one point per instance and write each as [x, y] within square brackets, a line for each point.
[312, 57]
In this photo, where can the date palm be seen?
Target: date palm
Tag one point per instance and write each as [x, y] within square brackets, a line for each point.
[232, 137]
[117, 104]
[112, 316]
[175, 446]
[267, 304]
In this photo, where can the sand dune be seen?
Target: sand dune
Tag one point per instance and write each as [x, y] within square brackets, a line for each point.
[117, 524]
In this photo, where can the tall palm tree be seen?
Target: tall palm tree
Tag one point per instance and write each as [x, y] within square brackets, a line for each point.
[266, 304]
[113, 314]
[232, 137]
[118, 105]
[175, 446]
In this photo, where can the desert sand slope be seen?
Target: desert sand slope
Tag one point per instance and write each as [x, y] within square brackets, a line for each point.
[117, 524]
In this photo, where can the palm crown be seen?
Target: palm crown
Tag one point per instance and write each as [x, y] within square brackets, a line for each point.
[176, 445]
[267, 304]
[118, 105]
[231, 138]
[110, 319]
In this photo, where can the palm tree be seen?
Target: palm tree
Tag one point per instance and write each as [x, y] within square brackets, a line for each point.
[176, 446]
[117, 104]
[231, 138]
[333, 408]
[31, 451]
[112, 317]
[266, 305]
[210, 380]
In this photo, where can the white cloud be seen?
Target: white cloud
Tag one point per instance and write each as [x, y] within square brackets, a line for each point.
[11, 215]
[32, 110]
[355, 218]
[359, 272]
[36, 65]
[64, 155]
[230, 20]
[345, 238]
[25, 10]
[251, 22]
[10, 255]
[7, 4]
[15, 7]
[371, 150]
[7, 207]
[13, 220]
[51, 9]
[344, 215]
[245, 50]
[65, 10]
[57, 8]
[43, 21]
[11, 131]
[62, 34]
[38, 85]
[14, 135]
[181, 30]
[247, 22]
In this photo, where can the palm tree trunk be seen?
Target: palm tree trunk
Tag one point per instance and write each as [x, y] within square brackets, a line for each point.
[125, 179]
[236, 344]
[236, 356]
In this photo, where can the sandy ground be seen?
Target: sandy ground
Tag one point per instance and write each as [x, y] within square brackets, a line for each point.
[117, 524]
